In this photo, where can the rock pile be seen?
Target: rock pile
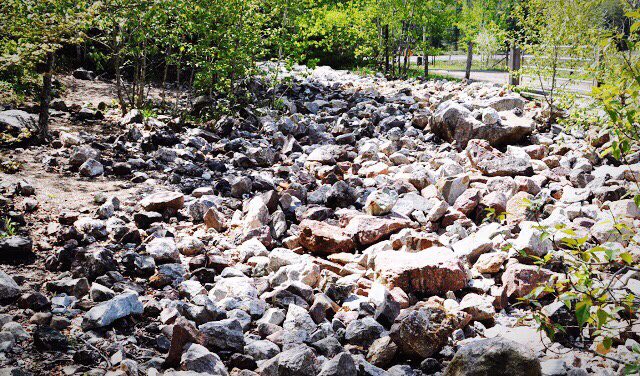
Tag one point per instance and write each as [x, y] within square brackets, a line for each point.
[346, 235]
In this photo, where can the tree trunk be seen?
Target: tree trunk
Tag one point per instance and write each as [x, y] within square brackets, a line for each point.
[467, 73]
[386, 49]
[164, 75]
[123, 103]
[426, 66]
[45, 98]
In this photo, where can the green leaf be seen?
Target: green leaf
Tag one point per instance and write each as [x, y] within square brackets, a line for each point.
[602, 317]
[607, 342]
[626, 257]
[582, 312]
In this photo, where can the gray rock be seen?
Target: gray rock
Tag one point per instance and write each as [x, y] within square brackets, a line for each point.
[261, 349]
[454, 122]
[223, 335]
[363, 331]
[14, 122]
[163, 250]
[198, 359]
[91, 168]
[298, 361]
[106, 313]
[341, 365]
[15, 248]
[9, 289]
[495, 356]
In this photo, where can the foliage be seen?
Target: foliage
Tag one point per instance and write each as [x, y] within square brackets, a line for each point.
[592, 286]
[558, 36]
[488, 41]
[620, 91]
[8, 228]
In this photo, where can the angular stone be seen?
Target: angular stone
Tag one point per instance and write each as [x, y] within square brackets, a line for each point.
[519, 280]
[91, 168]
[363, 332]
[452, 187]
[432, 271]
[198, 359]
[341, 365]
[479, 307]
[381, 201]
[325, 239]
[163, 250]
[492, 162]
[16, 250]
[382, 351]
[423, 330]
[490, 262]
[9, 289]
[214, 219]
[298, 361]
[369, 230]
[105, 313]
[225, 335]
[454, 122]
[183, 332]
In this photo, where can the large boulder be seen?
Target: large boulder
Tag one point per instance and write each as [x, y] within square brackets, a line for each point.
[454, 122]
[433, 271]
[15, 122]
[495, 357]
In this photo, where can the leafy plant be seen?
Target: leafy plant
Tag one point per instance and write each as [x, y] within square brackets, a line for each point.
[9, 228]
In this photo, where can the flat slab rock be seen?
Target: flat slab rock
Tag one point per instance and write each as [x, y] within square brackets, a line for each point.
[163, 200]
[433, 271]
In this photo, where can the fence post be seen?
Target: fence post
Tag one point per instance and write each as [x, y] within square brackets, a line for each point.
[515, 58]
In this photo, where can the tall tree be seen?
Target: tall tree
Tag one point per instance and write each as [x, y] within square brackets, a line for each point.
[37, 29]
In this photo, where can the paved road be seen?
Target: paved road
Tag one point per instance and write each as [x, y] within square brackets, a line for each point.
[580, 87]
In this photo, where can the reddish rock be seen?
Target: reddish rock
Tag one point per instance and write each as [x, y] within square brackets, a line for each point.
[214, 219]
[433, 271]
[467, 201]
[183, 332]
[160, 201]
[519, 279]
[325, 239]
[368, 229]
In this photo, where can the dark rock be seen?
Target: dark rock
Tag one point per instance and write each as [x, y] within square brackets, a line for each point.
[16, 250]
[48, 339]
[83, 74]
